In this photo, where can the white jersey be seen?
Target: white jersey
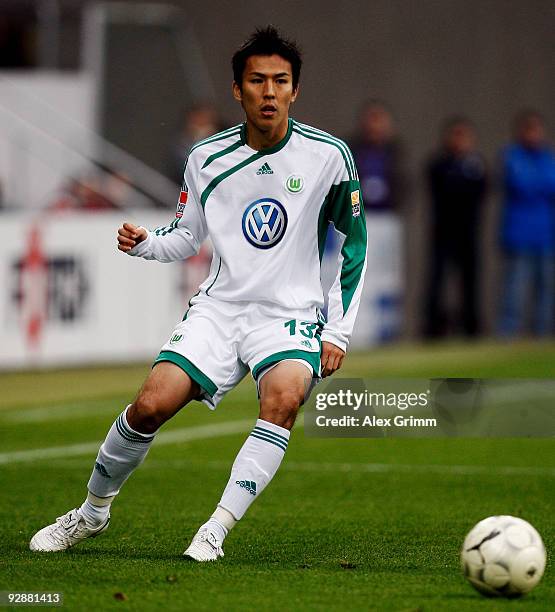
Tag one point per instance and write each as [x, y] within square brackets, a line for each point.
[267, 214]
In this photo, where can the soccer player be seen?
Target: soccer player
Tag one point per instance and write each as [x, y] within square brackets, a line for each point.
[265, 192]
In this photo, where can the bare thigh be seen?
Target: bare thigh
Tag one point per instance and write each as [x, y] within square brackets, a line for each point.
[165, 391]
[282, 391]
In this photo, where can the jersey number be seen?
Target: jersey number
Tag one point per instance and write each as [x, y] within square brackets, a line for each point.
[306, 329]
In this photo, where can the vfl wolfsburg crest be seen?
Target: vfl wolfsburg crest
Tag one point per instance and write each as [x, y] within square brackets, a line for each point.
[176, 338]
[294, 183]
[264, 223]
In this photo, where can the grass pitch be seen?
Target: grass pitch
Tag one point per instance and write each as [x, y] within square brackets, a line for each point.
[373, 524]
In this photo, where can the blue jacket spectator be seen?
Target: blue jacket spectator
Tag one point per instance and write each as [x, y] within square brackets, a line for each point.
[528, 229]
[529, 198]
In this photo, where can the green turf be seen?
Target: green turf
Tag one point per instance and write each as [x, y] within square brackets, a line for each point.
[345, 525]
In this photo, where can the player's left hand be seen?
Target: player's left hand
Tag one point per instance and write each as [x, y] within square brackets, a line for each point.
[331, 359]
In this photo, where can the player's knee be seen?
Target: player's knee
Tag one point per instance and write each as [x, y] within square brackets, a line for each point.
[146, 414]
[281, 407]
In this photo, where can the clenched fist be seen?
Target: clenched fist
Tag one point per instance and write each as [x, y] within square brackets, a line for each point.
[130, 235]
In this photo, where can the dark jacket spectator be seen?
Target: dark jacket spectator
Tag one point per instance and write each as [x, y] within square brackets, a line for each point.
[457, 182]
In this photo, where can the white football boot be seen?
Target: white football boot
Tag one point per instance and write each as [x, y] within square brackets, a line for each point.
[67, 531]
[206, 546]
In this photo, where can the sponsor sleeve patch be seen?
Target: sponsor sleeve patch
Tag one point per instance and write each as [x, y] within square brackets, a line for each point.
[181, 204]
[355, 202]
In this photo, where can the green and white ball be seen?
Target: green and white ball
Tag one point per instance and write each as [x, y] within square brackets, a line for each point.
[503, 556]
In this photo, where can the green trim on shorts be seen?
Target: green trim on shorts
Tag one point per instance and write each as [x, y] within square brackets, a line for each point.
[190, 369]
[313, 360]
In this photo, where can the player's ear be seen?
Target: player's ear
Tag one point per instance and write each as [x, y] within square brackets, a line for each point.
[237, 93]
[295, 93]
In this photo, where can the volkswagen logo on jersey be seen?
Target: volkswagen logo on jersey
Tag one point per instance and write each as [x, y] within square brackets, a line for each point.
[264, 223]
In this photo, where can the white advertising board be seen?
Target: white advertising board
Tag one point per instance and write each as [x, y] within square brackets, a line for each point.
[68, 296]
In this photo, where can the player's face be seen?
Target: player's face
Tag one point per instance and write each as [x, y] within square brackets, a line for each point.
[266, 91]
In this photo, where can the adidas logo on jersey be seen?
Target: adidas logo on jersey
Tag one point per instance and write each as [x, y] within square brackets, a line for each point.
[250, 485]
[265, 169]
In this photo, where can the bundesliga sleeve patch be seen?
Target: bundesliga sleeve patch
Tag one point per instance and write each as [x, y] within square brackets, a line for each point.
[181, 203]
[355, 202]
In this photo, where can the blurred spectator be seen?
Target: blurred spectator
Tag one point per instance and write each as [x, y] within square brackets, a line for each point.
[199, 121]
[528, 227]
[378, 157]
[104, 191]
[457, 182]
[117, 188]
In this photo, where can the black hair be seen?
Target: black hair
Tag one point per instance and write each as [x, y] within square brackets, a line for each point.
[267, 41]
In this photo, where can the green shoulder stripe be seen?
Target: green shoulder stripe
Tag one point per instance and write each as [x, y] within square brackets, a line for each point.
[219, 136]
[218, 179]
[343, 145]
[221, 153]
[312, 136]
[249, 160]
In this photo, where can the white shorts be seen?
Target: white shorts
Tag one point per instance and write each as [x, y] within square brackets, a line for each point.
[217, 343]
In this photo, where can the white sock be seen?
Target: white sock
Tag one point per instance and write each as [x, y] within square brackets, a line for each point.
[254, 467]
[224, 517]
[220, 523]
[95, 510]
[123, 450]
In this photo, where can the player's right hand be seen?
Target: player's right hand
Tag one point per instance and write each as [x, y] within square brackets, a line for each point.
[130, 235]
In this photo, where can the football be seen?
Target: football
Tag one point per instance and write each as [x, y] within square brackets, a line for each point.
[503, 556]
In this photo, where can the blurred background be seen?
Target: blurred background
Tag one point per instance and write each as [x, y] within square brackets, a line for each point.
[447, 104]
